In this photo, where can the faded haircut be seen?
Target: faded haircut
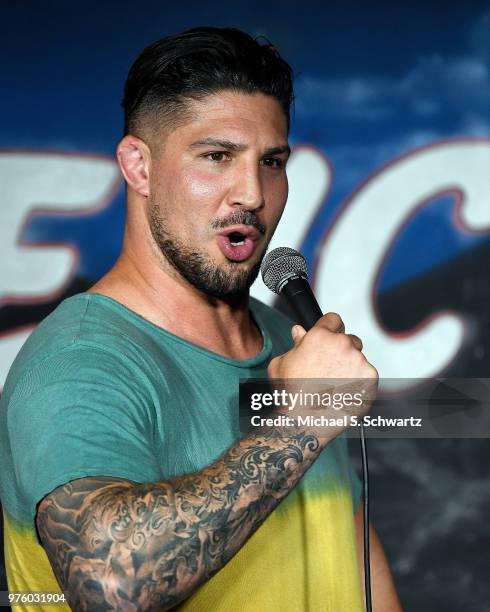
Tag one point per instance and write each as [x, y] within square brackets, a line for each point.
[174, 71]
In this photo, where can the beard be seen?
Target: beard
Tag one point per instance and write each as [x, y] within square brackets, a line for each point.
[217, 280]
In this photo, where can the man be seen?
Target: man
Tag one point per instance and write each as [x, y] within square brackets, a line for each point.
[119, 417]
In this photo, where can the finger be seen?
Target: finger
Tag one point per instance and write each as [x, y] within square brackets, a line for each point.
[356, 341]
[333, 322]
[297, 333]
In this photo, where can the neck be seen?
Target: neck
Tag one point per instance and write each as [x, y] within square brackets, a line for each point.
[162, 296]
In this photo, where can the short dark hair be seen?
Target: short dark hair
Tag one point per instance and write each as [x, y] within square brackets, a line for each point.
[174, 70]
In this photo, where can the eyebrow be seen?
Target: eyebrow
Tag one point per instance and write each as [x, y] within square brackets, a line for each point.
[228, 145]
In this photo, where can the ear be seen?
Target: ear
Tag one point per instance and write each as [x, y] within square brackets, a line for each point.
[134, 158]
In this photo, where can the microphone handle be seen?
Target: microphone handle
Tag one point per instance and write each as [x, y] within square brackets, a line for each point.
[299, 296]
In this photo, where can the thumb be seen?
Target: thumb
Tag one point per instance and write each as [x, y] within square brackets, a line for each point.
[297, 333]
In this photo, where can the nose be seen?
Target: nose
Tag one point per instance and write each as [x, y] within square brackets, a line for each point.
[247, 190]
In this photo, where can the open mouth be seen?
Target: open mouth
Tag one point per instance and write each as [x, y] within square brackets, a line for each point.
[238, 243]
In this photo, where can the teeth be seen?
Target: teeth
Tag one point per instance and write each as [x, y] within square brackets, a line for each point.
[237, 239]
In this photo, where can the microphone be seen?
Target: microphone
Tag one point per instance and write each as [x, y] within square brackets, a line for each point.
[284, 272]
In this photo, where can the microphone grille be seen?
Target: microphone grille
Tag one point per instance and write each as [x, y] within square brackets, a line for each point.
[280, 264]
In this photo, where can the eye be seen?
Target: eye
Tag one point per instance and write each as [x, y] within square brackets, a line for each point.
[217, 156]
[273, 162]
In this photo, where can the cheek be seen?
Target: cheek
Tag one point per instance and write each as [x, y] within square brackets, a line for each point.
[277, 193]
[202, 185]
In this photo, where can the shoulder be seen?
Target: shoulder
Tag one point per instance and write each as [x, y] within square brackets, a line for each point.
[55, 333]
[83, 332]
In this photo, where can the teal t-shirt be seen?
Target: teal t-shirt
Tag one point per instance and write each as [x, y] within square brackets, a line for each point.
[99, 390]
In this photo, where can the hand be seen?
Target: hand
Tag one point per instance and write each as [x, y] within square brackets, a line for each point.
[327, 353]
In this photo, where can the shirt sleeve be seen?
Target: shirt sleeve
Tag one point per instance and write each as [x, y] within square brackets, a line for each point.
[82, 412]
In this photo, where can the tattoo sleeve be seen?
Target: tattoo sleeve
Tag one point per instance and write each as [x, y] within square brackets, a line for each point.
[118, 545]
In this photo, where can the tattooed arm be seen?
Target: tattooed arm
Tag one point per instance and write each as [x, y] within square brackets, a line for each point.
[118, 545]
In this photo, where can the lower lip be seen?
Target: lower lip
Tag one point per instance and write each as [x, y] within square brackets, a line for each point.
[236, 253]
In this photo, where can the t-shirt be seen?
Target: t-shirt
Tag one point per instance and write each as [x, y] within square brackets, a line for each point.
[99, 390]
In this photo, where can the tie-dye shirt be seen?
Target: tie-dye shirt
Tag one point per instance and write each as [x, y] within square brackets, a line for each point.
[99, 390]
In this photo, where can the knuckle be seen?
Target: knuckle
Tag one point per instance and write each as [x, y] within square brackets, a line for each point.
[371, 371]
[362, 363]
[317, 334]
[359, 356]
[333, 320]
[343, 342]
[356, 341]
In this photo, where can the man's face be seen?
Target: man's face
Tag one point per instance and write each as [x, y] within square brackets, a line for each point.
[218, 187]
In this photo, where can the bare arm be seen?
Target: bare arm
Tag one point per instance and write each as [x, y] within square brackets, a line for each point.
[118, 545]
[384, 595]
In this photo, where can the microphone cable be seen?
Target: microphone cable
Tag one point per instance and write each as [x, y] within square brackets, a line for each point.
[365, 517]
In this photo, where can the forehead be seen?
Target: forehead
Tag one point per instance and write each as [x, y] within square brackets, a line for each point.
[237, 115]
